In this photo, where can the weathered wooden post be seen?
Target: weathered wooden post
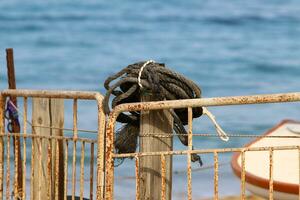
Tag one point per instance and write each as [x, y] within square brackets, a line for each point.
[48, 173]
[153, 123]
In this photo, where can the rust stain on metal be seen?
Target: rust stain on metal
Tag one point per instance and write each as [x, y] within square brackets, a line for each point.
[49, 168]
[24, 168]
[56, 171]
[74, 171]
[17, 173]
[190, 131]
[201, 151]
[190, 147]
[189, 176]
[39, 138]
[271, 150]
[109, 158]
[32, 171]
[40, 160]
[25, 115]
[66, 170]
[137, 178]
[50, 94]
[243, 175]
[216, 176]
[82, 170]
[92, 170]
[8, 168]
[100, 140]
[75, 118]
[216, 101]
[101, 148]
[106, 169]
[163, 176]
[50, 137]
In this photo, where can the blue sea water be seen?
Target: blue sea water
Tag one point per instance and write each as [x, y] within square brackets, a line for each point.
[227, 47]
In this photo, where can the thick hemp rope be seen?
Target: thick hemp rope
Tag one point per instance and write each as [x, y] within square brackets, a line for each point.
[164, 84]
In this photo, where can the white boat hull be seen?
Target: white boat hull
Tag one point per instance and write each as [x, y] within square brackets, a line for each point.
[286, 168]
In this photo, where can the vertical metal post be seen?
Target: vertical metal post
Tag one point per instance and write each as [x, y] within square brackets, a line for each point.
[24, 168]
[24, 146]
[271, 174]
[74, 171]
[137, 178]
[101, 149]
[92, 170]
[49, 169]
[82, 170]
[243, 175]
[190, 148]
[8, 168]
[163, 177]
[75, 105]
[33, 174]
[74, 148]
[216, 175]
[66, 170]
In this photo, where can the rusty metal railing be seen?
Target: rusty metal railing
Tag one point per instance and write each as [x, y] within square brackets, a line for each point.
[189, 103]
[8, 178]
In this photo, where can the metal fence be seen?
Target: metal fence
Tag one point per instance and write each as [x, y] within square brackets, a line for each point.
[16, 185]
[189, 104]
[104, 180]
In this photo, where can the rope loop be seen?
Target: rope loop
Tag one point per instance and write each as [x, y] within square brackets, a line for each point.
[222, 134]
[141, 70]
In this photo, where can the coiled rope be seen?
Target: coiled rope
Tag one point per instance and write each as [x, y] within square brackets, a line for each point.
[164, 84]
[156, 78]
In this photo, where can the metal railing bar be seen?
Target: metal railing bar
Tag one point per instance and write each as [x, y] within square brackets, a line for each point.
[214, 135]
[216, 101]
[50, 94]
[203, 151]
[86, 140]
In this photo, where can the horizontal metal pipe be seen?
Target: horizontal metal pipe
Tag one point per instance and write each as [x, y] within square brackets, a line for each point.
[216, 101]
[204, 151]
[48, 137]
[51, 94]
